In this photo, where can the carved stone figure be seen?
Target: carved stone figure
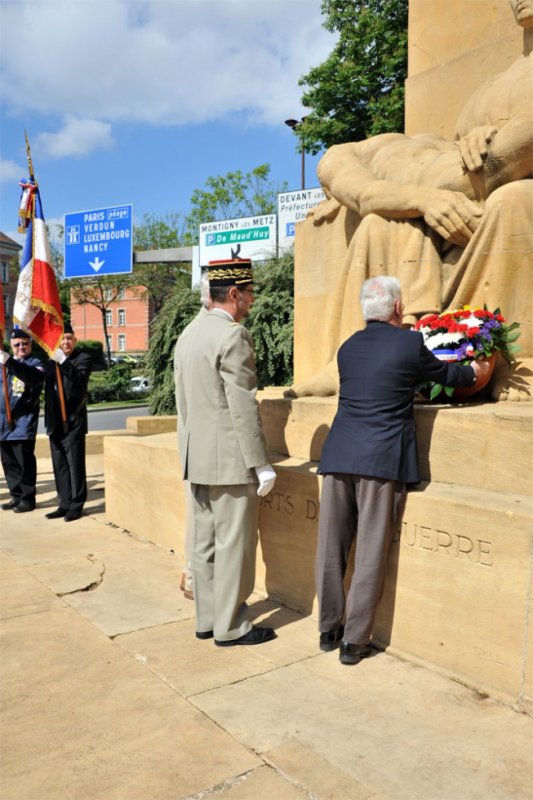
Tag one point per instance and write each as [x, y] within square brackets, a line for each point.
[452, 220]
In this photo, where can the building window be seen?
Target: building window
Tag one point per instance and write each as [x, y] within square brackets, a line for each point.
[108, 316]
[5, 272]
[122, 316]
[122, 342]
[6, 304]
[109, 343]
[121, 294]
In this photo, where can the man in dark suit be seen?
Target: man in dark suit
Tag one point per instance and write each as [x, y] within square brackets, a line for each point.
[368, 459]
[67, 438]
[25, 379]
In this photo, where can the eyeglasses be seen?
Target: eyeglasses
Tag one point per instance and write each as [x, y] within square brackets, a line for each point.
[247, 291]
[20, 344]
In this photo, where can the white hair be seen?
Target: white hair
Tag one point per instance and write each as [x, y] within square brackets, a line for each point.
[204, 288]
[378, 297]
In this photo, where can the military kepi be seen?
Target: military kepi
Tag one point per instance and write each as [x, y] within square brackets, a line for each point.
[230, 272]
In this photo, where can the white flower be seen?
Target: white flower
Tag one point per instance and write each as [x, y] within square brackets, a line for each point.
[442, 339]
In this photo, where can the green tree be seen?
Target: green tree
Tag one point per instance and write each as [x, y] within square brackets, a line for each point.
[271, 321]
[270, 324]
[158, 233]
[358, 91]
[231, 196]
[181, 307]
[100, 291]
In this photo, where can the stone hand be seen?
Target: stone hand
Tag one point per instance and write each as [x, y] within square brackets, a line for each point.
[267, 478]
[475, 146]
[326, 210]
[452, 215]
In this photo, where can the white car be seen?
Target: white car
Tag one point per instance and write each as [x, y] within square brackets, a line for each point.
[140, 384]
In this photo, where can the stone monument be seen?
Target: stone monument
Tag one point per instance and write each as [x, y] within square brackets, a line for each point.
[451, 218]
[459, 590]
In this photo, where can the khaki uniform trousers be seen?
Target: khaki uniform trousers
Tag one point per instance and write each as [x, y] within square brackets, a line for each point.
[369, 510]
[223, 558]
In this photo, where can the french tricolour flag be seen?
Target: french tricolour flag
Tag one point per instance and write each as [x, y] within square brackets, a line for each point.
[37, 307]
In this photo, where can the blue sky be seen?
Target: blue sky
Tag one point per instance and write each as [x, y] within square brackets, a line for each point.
[140, 101]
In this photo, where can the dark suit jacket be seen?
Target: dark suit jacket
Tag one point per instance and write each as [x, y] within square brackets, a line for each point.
[25, 380]
[75, 373]
[373, 433]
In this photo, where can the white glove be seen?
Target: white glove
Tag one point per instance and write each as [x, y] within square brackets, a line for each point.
[3, 356]
[267, 478]
[59, 356]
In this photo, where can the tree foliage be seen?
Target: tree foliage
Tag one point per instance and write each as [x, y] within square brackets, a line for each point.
[358, 91]
[271, 321]
[233, 195]
[101, 291]
[158, 233]
[181, 307]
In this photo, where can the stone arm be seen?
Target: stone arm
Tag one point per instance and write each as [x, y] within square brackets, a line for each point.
[346, 174]
[497, 157]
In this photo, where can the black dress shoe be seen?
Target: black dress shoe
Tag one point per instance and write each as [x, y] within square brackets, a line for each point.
[71, 516]
[204, 634]
[353, 653]
[10, 505]
[330, 640]
[23, 506]
[57, 514]
[254, 636]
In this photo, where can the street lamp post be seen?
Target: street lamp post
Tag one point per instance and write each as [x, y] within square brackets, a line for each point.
[295, 124]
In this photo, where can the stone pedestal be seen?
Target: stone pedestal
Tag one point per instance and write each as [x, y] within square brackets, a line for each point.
[459, 589]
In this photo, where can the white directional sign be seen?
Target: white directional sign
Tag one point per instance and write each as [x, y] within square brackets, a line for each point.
[99, 242]
[292, 208]
[252, 237]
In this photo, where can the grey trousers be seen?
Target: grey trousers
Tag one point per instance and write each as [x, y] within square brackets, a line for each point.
[368, 509]
[223, 557]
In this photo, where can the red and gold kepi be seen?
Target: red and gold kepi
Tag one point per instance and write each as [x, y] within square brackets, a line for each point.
[230, 272]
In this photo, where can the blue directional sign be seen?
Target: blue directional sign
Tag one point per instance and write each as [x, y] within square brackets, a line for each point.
[99, 242]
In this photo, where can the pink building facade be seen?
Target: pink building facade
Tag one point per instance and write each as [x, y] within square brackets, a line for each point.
[128, 322]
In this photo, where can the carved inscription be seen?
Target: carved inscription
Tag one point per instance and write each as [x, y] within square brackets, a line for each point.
[287, 504]
[446, 543]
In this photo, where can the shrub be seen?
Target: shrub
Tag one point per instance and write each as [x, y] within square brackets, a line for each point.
[115, 384]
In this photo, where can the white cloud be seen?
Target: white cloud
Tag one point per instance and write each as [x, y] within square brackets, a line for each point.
[77, 137]
[9, 171]
[159, 61]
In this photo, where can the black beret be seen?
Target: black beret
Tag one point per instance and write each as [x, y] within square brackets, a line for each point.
[19, 333]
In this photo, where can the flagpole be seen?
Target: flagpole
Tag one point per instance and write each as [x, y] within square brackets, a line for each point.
[5, 387]
[59, 377]
[9, 415]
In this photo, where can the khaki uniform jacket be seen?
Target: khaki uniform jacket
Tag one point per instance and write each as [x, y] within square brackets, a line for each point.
[220, 434]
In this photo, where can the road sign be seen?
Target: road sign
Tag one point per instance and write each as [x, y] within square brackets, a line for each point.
[99, 242]
[293, 207]
[253, 237]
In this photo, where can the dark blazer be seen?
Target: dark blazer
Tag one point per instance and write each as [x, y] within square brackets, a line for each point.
[25, 380]
[75, 371]
[373, 433]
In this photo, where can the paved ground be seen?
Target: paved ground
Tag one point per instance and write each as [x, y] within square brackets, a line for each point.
[108, 695]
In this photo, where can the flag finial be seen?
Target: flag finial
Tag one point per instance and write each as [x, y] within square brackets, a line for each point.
[28, 156]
